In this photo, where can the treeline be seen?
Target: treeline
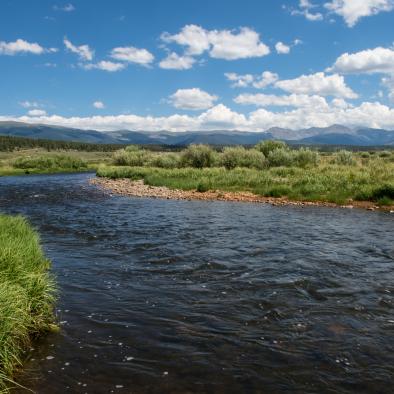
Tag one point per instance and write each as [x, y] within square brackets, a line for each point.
[10, 144]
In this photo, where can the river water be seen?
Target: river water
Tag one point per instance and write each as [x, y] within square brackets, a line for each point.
[161, 296]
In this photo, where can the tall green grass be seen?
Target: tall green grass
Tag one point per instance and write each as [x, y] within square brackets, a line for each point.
[325, 182]
[271, 168]
[27, 293]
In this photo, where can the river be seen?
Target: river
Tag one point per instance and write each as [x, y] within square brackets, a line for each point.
[164, 296]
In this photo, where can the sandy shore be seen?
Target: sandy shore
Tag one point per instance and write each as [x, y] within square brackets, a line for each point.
[127, 187]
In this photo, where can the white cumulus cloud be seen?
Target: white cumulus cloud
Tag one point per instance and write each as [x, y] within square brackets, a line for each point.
[292, 100]
[352, 10]
[21, 46]
[281, 48]
[132, 55]
[367, 114]
[306, 9]
[175, 62]
[220, 44]
[369, 61]
[318, 83]
[192, 99]
[257, 81]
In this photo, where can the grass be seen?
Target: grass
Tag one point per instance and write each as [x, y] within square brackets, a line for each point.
[331, 182]
[27, 293]
[40, 161]
[271, 169]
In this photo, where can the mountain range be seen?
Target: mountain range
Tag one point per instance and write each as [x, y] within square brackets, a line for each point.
[333, 135]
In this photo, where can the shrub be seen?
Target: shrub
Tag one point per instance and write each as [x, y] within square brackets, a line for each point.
[132, 148]
[306, 157]
[202, 187]
[281, 157]
[165, 160]
[133, 157]
[50, 162]
[385, 191]
[266, 147]
[197, 156]
[344, 157]
[278, 191]
[240, 157]
[384, 153]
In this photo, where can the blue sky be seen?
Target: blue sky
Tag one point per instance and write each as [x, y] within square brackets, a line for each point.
[183, 65]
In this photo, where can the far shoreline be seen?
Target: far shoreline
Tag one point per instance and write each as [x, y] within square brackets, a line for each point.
[130, 188]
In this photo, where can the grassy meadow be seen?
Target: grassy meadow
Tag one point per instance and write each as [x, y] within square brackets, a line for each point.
[27, 294]
[271, 168]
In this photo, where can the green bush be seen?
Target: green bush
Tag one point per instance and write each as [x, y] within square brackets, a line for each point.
[132, 148]
[306, 157]
[281, 157]
[202, 187]
[385, 191]
[344, 158]
[133, 157]
[266, 147]
[278, 191]
[384, 153]
[50, 162]
[198, 156]
[240, 157]
[165, 160]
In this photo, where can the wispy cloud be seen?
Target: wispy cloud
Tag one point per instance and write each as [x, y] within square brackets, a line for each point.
[83, 51]
[65, 8]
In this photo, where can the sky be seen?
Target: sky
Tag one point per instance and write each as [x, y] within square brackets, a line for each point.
[197, 65]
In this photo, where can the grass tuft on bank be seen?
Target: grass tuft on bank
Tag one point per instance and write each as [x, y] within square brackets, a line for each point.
[27, 293]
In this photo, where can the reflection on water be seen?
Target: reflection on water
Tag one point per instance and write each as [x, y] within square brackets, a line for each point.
[162, 296]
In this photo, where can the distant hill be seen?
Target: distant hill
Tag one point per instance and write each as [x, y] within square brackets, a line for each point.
[333, 135]
[361, 137]
[19, 129]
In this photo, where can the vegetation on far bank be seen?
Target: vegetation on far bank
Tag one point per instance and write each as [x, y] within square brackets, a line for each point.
[40, 161]
[271, 168]
[26, 293]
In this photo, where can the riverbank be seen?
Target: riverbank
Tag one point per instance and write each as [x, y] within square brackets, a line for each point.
[138, 188]
[27, 293]
[39, 161]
